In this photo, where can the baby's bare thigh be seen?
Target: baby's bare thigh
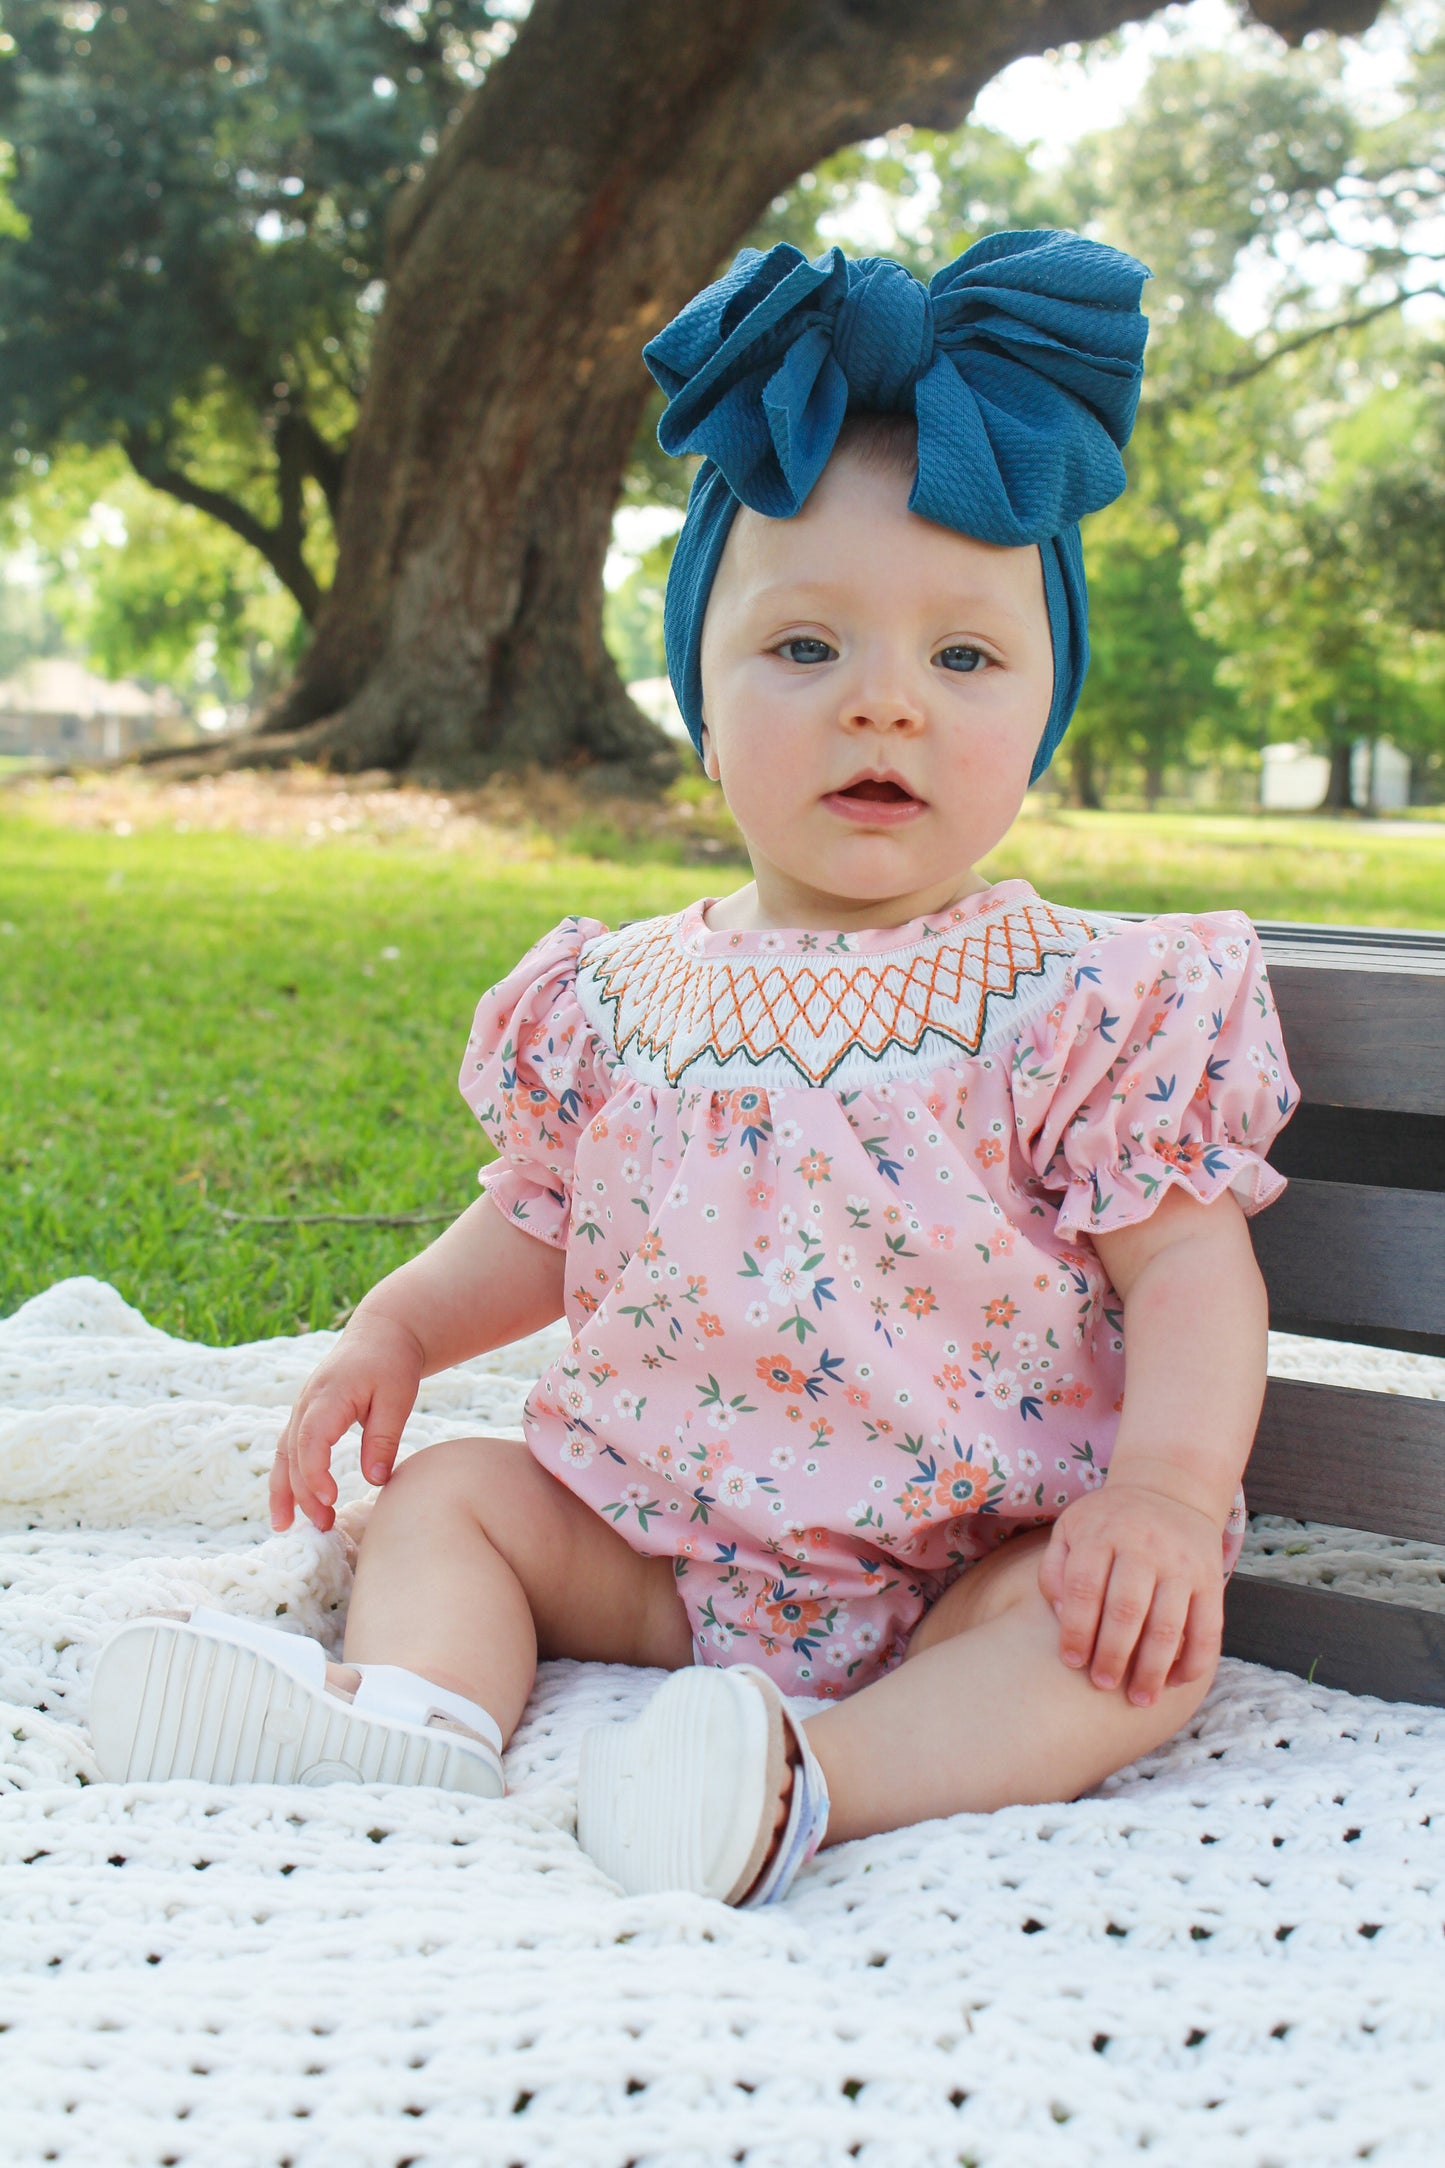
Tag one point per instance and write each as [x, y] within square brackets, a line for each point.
[590, 1594]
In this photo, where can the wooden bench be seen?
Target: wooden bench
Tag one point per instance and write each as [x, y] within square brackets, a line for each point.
[1354, 1250]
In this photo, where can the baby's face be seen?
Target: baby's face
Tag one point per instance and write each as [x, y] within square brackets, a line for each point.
[874, 690]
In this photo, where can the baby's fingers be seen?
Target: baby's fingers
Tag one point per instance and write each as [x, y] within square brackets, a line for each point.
[1125, 1608]
[1159, 1642]
[1199, 1657]
[283, 1503]
[314, 1431]
[1085, 1577]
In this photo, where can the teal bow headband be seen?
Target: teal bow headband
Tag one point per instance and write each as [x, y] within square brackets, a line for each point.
[1021, 363]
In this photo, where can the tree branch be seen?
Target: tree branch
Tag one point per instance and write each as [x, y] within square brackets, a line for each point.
[280, 547]
[1229, 379]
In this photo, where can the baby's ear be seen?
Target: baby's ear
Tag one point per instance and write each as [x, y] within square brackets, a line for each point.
[710, 766]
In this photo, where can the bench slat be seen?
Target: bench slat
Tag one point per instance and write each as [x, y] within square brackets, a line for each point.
[1354, 1459]
[1356, 1262]
[1362, 1036]
[1394, 1650]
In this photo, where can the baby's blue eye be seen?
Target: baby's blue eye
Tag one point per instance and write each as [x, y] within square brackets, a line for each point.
[973, 658]
[821, 647]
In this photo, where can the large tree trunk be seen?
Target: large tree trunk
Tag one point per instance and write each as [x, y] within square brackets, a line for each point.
[602, 173]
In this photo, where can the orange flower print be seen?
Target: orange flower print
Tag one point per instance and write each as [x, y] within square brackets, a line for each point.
[598, 1129]
[779, 1375]
[650, 1247]
[814, 1167]
[855, 1396]
[1001, 1312]
[712, 1326]
[961, 1488]
[759, 1196]
[1185, 1155]
[988, 1151]
[919, 1302]
[585, 1300]
[916, 1501]
[794, 1616]
[950, 1378]
[940, 1238]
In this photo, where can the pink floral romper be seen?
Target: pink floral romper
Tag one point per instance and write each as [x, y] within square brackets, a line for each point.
[838, 1325]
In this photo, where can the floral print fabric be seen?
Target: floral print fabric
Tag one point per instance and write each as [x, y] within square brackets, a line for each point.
[831, 1345]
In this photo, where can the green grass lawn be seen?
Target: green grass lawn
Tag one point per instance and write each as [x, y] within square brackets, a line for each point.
[194, 1021]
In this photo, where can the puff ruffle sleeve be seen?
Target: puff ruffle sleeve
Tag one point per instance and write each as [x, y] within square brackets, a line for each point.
[1161, 1065]
[533, 1076]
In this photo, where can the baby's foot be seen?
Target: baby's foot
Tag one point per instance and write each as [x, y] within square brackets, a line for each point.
[227, 1700]
[713, 1788]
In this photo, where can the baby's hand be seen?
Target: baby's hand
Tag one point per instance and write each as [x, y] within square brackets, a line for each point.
[1132, 1574]
[370, 1377]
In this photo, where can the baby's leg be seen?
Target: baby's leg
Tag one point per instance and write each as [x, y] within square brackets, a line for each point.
[983, 1712]
[475, 1561]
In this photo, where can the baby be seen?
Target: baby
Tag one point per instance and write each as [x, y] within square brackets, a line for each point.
[890, 1210]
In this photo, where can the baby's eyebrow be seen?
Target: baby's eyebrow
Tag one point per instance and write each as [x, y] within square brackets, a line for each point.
[944, 603]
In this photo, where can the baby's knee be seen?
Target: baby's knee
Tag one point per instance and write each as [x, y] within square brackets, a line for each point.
[482, 1477]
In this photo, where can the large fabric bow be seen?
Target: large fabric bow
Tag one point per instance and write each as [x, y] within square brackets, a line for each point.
[1021, 361]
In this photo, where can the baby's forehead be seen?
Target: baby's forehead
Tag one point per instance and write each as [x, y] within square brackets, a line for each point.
[869, 544]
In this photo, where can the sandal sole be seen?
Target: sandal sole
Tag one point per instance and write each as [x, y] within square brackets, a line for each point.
[675, 1799]
[169, 1701]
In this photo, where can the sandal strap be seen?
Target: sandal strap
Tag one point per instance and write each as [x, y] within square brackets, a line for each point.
[807, 1822]
[388, 1690]
[296, 1654]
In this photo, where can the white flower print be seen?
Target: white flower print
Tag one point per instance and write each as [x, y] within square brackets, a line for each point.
[857, 1204]
[1061, 1498]
[782, 1456]
[1028, 1461]
[631, 1170]
[1021, 1494]
[1090, 1476]
[1026, 1342]
[866, 1637]
[836, 1655]
[735, 1486]
[1002, 1389]
[627, 1404]
[784, 1278]
[756, 1313]
[576, 1452]
[678, 1197]
[859, 1514]
[788, 1134]
[574, 1400]
[787, 1220]
[847, 1257]
[721, 1417]
[636, 1494]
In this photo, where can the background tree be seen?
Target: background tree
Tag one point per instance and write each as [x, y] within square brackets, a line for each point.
[599, 171]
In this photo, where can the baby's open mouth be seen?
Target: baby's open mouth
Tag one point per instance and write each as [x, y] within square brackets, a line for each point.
[879, 790]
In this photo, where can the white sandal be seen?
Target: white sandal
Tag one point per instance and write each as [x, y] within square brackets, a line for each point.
[229, 1701]
[685, 1796]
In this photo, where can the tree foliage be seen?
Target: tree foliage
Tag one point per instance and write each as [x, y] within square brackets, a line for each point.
[202, 189]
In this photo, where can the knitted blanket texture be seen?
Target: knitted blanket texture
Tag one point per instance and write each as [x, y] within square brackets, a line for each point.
[1231, 1956]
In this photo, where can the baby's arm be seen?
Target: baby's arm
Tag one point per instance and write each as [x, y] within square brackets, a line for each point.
[482, 1283]
[1134, 1570]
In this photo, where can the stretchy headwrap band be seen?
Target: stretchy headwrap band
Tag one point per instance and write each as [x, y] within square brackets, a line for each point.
[1021, 363]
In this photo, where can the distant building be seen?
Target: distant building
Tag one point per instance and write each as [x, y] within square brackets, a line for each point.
[57, 710]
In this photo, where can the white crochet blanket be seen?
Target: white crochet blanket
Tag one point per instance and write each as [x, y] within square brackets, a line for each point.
[1232, 1954]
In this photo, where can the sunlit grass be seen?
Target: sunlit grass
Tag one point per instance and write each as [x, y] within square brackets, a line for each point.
[198, 1021]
